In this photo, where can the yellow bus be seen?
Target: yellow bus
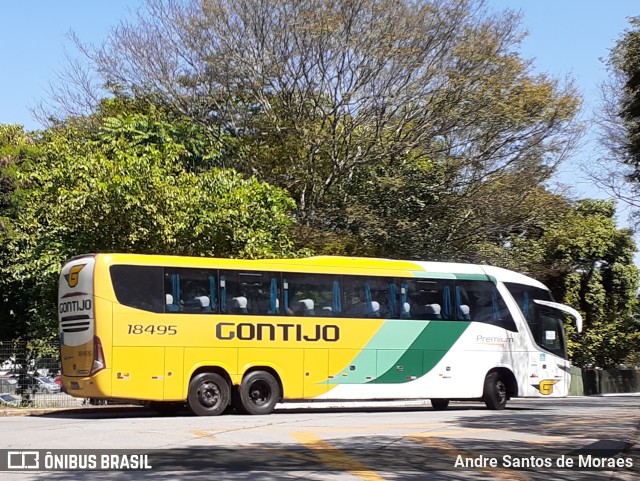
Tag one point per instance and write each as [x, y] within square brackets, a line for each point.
[218, 333]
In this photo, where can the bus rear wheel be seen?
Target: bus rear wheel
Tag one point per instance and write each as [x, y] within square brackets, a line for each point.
[495, 391]
[209, 394]
[259, 392]
[440, 404]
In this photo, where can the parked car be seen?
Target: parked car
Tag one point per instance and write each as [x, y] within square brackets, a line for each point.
[58, 381]
[36, 384]
[8, 385]
[46, 385]
[9, 400]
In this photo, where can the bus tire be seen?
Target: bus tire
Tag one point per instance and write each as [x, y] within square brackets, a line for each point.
[440, 404]
[236, 402]
[209, 394]
[495, 391]
[259, 392]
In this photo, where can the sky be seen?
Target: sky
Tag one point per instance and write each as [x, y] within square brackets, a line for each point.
[573, 38]
[566, 38]
[33, 42]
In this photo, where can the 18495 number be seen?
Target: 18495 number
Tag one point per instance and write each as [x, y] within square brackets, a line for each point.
[160, 330]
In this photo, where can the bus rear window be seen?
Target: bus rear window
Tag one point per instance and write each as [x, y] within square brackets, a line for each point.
[141, 287]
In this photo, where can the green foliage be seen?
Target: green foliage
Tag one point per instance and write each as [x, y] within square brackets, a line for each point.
[625, 61]
[129, 187]
[588, 263]
[402, 129]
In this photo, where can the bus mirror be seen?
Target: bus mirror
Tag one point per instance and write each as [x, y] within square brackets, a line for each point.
[561, 307]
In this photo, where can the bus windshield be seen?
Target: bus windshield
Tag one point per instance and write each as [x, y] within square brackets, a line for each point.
[545, 323]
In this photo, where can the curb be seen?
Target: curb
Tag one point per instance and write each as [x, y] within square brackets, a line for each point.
[31, 411]
[69, 410]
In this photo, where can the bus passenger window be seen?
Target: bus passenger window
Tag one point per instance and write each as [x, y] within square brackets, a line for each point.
[429, 299]
[138, 286]
[311, 295]
[483, 303]
[369, 297]
[190, 290]
[255, 293]
[425, 299]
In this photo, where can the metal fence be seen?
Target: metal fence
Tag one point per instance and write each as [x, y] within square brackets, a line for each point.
[29, 373]
[29, 376]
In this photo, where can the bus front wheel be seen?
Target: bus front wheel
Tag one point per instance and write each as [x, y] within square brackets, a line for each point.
[440, 404]
[209, 394]
[259, 392]
[495, 391]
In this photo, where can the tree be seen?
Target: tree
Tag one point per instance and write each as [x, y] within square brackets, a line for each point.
[588, 263]
[16, 146]
[315, 91]
[127, 187]
[619, 120]
[614, 317]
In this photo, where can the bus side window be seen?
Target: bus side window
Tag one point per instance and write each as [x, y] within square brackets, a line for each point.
[369, 297]
[485, 303]
[250, 292]
[430, 299]
[140, 287]
[190, 291]
[397, 295]
[311, 295]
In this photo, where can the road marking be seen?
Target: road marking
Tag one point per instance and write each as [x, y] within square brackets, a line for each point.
[438, 434]
[505, 435]
[582, 421]
[334, 457]
[203, 434]
[374, 427]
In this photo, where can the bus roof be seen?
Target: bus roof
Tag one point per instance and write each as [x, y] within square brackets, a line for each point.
[505, 275]
[326, 264]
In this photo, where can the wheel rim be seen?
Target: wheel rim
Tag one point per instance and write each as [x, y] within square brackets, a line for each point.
[209, 394]
[259, 393]
[501, 391]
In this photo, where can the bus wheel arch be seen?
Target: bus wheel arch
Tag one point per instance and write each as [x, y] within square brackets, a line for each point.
[209, 391]
[259, 391]
[499, 386]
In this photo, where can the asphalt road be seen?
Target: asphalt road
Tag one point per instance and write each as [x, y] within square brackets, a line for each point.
[530, 440]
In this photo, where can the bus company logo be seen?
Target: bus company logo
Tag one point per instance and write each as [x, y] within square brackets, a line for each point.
[247, 331]
[546, 386]
[74, 275]
[23, 460]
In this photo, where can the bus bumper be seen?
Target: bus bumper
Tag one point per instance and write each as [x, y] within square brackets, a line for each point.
[96, 386]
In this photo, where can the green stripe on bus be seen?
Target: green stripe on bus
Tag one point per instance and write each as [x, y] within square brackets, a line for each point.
[433, 275]
[435, 340]
[401, 351]
[447, 275]
[396, 335]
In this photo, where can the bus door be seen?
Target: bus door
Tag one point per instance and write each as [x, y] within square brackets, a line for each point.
[552, 362]
[552, 323]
